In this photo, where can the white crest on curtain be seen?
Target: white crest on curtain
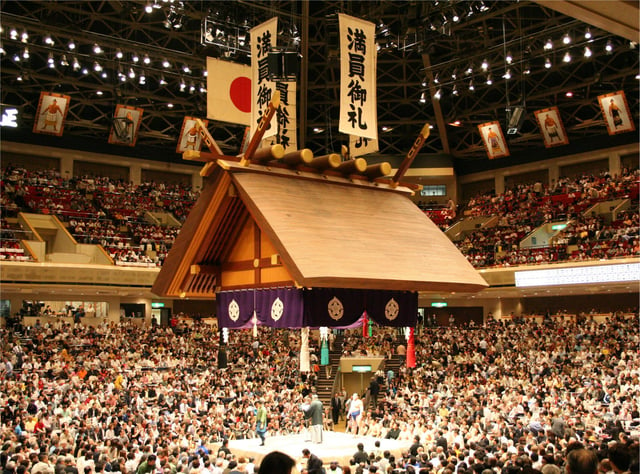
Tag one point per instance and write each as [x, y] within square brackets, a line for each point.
[234, 310]
[391, 310]
[335, 309]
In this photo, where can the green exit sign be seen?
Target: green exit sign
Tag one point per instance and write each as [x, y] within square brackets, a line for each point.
[558, 226]
[157, 305]
[439, 304]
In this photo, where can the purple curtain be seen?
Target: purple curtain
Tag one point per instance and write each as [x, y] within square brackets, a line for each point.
[332, 307]
[274, 307]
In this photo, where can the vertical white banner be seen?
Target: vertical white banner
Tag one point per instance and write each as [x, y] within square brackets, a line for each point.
[263, 38]
[358, 59]
[359, 146]
[286, 118]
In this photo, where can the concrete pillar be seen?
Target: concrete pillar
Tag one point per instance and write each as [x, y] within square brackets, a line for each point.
[66, 167]
[135, 174]
[499, 183]
[615, 164]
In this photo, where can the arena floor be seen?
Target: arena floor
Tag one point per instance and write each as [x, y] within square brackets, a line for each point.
[335, 446]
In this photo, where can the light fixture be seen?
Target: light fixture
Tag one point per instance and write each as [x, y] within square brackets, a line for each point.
[119, 54]
[192, 88]
[507, 74]
[2, 51]
[454, 74]
[170, 105]
[489, 80]
[25, 37]
[122, 77]
[148, 8]
[387, 129]
[566, 39]
[97, 49]
[19, 78]
[97, 67]
[183, 85]
[135, 58]
[85, 71]
[163, 81]
[13, 34]
[25, 53]
[48, 40]
[186, 69]
[609, 47]
[142, 80]
[64, 62]
[509, 58]
[469, 70]
[436, 79]
[527, 68]
[471, 86]
[456, 17]
[132, 73]
[567, 57]
[104, 74]
[166, 63]
[438, 94]
[483, 7]
[76, 64]
[569, 94]
[455, 90]
[548, 45]
[16, 58]
[318, 130]
[99, 92]
[547, 63]
[423, 98]
[205, 73]
[587, 52]
[587, 34]
[203, 89]
[51, 61]
[146, 59]
[485, 65]
[71, 45]
[424, 83]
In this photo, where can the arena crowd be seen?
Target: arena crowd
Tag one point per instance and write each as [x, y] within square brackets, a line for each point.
[509, 397]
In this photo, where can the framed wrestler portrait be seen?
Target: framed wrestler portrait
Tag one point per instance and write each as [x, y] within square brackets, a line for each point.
[551, 127]
[126, 122]
[51, 114]
[493, 139]
[615, 112]
[189, 138]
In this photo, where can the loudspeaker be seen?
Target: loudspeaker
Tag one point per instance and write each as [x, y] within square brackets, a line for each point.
[515, 117]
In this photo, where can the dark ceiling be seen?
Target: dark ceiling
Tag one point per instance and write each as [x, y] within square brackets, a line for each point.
[420, 42]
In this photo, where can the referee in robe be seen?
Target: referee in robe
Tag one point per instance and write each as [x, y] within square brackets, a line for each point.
[315, 413]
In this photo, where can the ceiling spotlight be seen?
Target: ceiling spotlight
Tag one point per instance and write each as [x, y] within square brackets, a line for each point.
[16, 58]
[485, 65]
[455, 90]
[48, 40]
[183, 85]
[13, 34]
[104, 75]
[203, 89]
[186, 69]
[142, 80]
[587, 34]
[609, 47]
[146, 59]
[454, 74]
[119, 54]
[566, 39]
[436, 80]
[163, 81]
[25, 37]
[122, 77]
[423, 98]
[192, 88]
[567, 57]
[76, 64]
[170, 105]
[99, 92]
[19, 78]
[148, 8]
[489, 80]
[97, 49]
[438, 94]
[64, 62]
[71, 45]
[527, 68]
[204, 73]
[509, 58]
[25, 53]
[318, 130]
[166, 63]
[132, 73]
[471, 86]
[97, 67]
[455, 17]
[85, 71]
[547, 63]
[51, 61]
[424, 83]
[507, 74]
[135, 58]
[483, 7]
[548, 45]
[2, 51]
[568, 94]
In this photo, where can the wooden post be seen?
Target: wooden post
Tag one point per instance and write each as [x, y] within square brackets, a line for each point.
[298, 157]
[262, 127]
[404, 166]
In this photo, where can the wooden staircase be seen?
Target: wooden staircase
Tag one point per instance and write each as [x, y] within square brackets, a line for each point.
[328, 373]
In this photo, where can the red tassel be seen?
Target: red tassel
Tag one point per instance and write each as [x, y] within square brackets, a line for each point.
[411, 349]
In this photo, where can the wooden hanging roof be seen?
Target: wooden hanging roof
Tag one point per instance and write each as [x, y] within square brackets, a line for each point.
[328, 231]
